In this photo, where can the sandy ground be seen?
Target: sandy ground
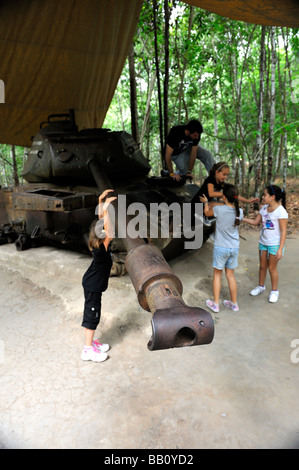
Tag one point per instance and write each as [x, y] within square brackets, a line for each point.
[240, 391]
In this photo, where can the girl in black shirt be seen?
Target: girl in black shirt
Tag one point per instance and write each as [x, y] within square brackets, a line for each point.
[212, 186]
[95, 281]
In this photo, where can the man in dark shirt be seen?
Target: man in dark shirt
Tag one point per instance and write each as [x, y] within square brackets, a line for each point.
[182, 148]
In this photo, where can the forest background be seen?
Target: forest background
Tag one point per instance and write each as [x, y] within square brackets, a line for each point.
[240, 80]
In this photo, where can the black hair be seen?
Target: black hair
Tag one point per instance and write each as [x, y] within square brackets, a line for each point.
[279, 193]
[218, 167]
[231, 193]
[194, 126]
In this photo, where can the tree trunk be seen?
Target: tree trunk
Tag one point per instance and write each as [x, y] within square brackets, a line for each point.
[272, 107]
[216, 141]
[14, 166]
[285, 139]
[260, 119]
[283, 136]
[147, 107]
[119, 102]
[158, 82]
[182, 63]
[288, 69]
[133, 94]
[285, 160]
[167, 12]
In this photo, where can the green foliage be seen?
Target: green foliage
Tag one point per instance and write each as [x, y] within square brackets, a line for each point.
[213, 73]
[6, 164]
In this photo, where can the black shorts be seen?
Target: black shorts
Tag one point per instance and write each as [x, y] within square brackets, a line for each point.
[92, 309]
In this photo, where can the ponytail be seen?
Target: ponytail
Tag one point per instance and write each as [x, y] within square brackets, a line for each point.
[231, 193]
[279, 193]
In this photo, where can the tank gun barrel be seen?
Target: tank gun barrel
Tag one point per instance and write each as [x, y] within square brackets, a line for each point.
[101, 179]
[159, 290]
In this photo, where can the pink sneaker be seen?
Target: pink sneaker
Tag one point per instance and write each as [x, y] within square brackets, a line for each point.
[231, 305]
[212, 306]
[103, 347]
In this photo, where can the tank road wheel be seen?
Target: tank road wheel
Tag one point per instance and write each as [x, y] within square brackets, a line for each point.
[22, 243]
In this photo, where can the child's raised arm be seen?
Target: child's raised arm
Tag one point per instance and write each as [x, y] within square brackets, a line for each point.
[107, 221]
[206, 209]
[101, 204]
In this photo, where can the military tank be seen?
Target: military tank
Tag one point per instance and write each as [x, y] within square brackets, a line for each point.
[66, 170]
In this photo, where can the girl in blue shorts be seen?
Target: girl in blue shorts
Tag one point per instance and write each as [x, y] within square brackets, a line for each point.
[226, 246]
[273, 216]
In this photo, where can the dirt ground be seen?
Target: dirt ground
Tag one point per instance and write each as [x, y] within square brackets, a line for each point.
[240, 391]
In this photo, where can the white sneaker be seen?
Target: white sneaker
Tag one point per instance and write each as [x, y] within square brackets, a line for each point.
[208, 221]
[257, 290]
[93, 354]
[273, 297]
[103, 347]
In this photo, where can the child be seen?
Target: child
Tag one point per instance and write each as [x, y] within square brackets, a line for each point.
[273, 216]
[226, 246]
[95, 281]
[214, 184]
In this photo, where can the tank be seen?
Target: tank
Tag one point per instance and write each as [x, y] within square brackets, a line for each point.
[66, 170]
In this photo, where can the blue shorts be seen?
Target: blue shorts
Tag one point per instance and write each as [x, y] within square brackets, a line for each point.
[271, 250]
[225, 257]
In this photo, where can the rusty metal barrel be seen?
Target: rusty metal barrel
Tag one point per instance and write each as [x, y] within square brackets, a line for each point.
[174, 324]
[159, 291]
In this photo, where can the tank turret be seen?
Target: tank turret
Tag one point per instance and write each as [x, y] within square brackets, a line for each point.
[61, 154]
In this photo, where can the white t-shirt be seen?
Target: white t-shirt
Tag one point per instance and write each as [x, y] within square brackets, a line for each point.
[270, 232]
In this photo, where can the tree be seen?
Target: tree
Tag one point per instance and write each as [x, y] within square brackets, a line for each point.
[133, 94]
[260, 112]
[155, 7]
[272, 106]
